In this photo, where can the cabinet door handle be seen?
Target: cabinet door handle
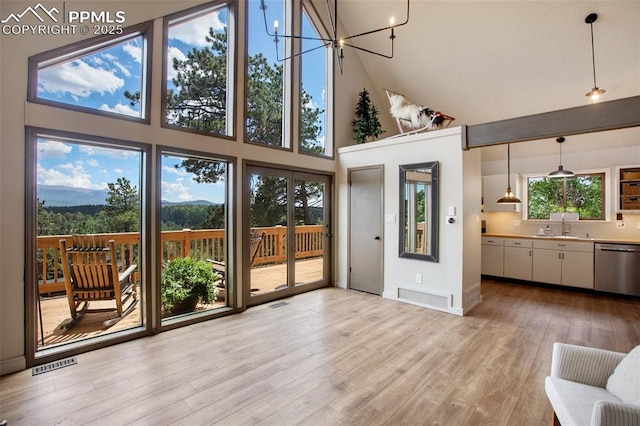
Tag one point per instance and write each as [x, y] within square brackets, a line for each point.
[517, 244]
[530, 253]
[559, 255]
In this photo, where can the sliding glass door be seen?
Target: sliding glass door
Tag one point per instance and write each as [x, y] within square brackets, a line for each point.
[287, 233]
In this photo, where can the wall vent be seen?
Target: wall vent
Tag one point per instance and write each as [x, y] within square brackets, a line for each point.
[45, 368]
[426, 298]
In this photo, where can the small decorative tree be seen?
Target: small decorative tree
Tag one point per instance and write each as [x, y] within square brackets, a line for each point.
[366, 123]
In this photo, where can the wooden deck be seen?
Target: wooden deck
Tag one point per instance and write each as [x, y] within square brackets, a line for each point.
[56, 315]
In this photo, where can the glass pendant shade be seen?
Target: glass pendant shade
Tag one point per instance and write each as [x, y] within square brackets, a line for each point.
[596, 92]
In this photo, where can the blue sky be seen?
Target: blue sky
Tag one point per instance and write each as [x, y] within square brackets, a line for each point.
[99, 80]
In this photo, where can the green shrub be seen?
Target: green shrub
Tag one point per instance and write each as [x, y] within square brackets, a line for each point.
[185, 278]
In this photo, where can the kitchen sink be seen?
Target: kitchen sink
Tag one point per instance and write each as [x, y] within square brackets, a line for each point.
[564, 237]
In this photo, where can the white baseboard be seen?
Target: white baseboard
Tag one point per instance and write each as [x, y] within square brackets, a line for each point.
[341, 284]
[13, 365]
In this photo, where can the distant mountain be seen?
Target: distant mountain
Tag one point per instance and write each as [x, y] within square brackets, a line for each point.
[57, 195]
[188, 203]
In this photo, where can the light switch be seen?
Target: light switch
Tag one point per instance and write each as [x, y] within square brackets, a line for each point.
[390, 218]
[451, 211]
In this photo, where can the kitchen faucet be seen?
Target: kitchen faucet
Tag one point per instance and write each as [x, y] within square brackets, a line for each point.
[562, 230]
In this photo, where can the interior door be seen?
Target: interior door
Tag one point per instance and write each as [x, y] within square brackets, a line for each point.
[365, 229]
[289, 213]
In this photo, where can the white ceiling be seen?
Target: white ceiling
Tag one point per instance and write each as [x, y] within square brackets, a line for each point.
[483, 61]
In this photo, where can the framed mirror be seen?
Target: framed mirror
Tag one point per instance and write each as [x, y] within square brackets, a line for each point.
[419, 211]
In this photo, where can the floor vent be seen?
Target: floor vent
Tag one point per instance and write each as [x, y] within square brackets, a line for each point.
[61, 363]
[425, 298]
[278, 305]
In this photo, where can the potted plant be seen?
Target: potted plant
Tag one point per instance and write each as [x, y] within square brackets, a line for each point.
[366, 125]
[185, 282]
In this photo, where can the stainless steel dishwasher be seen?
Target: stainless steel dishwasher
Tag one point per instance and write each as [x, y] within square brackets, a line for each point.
[617, 268]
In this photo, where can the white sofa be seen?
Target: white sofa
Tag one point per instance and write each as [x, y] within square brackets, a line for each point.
[594, 387]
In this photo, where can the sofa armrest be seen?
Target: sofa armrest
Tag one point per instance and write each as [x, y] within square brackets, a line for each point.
[581, 364]
[615, 413]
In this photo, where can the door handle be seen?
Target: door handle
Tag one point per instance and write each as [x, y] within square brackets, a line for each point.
[377, 238]
[328, 235]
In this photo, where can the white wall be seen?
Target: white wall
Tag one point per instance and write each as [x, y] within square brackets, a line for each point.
[458, 268]
[580, 153]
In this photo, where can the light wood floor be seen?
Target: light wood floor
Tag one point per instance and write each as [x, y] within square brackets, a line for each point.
[333, 357]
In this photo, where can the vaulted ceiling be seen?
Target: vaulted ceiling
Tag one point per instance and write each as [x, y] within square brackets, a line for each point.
[483, 61]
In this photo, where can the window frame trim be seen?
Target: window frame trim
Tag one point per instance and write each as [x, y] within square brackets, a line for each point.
[308, 8]
[92, 45]
[232, 66]
[606, 188]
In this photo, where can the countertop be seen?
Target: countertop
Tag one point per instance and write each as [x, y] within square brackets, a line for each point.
[569, 238]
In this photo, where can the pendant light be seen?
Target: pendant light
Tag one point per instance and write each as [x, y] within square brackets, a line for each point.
[509, 198]
[561, 172]
[596, 92]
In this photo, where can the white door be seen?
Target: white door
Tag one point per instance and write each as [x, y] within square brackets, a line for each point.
[365, 229]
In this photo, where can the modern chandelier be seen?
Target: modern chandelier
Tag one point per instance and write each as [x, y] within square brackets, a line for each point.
[335, 42]
[596, 92]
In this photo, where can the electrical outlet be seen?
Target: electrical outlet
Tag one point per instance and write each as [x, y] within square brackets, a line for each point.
[517, 223]
[637, 225]
[419, 278]
[621, 225]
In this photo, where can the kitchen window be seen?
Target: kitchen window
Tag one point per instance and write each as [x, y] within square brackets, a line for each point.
[583, 193]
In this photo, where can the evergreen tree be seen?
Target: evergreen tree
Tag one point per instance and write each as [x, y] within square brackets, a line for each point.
[366, 123]
[121, 214]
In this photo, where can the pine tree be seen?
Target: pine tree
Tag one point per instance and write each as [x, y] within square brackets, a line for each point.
[366, 123]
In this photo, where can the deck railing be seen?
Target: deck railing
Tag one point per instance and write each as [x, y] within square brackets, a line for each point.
[199, 244]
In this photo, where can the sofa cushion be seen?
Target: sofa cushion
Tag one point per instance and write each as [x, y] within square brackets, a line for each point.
[573, 402]
[625, 380]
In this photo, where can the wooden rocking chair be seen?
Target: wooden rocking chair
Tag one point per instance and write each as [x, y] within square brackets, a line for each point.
[91, 274]
[220, 267]
[416, 117]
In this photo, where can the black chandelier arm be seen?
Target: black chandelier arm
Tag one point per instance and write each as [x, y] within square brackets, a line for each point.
[301, 53]
[371, 51]
[388, 27]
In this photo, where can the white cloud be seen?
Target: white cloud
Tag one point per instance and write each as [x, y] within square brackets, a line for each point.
[175, 192]
[120, 109]
[74, 177]
[173, 170]
[52, 149]
[79, 79]
[134, 51]
[123, 69]
[173, 52]
[119, 154]
[93, 163]
[194, 32]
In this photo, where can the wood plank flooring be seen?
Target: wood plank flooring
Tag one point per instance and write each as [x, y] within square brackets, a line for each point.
[334, 357]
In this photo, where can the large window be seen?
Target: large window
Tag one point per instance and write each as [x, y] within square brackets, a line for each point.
[313, 91]
[265, 107]
[105, 75]
[199, 70]
[195, 267]
[86, 188]
[583, 194]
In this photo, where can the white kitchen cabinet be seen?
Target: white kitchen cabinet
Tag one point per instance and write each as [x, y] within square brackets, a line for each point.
[492, 256]
[567, 263]
[493, 188]
[518, 258]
